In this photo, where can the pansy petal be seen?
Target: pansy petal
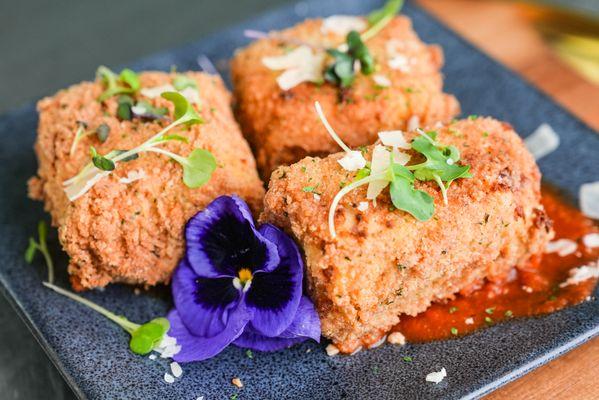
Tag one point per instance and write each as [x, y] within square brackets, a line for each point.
[274, 296]
[305, 325]
[306, 322]
[206, 305]
[196, 348]
[250, 339]
[222, 239]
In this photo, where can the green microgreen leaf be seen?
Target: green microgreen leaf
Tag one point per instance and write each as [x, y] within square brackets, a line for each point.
[378, 19]
[184, 111]
[181, 82]
[125, 83]
[406, 198]
[198, 168]
[123, 110]
[149, 335]
[41, 245]
[102, 132]
[101, 162]
[362, 173]
[341, 72]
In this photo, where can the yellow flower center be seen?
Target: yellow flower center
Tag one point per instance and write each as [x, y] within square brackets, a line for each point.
[245, 275]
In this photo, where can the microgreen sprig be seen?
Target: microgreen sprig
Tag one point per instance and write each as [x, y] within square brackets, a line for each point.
[81, 132]
[144, 337]
[127, 82]
[197, 167]
[41, 246]
[378, 19]
[342, 71]
[440, 166]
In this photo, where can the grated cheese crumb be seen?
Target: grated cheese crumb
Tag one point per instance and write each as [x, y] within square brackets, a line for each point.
[396, 338]
[469, 321]
[176, 369]
[316, 197]
[563, 247]
[332, 350]
[152, 356]
[363, 206]
[589, 199]
[542, 141]
[436, 377]
[168, 378]
[581, 274]
[342, 24]
[527, 289]
[591, 240]
[352, 160]
[413, 123]
[133, 176]
[381, 80]
[237, 382]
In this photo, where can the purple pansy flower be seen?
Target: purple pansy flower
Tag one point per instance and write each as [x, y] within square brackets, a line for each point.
[238, 284]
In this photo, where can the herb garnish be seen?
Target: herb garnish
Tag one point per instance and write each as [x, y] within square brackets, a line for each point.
[41, 246]
[81, 132]
[454, 331]
[440, 166]
[143, 109]
[102, 132]
[181, 82]
[123, 110]
[101, 162]
[197, 167]
[407, 359]
[144, 338]
[452, 309]
[127, 82]
[249, 354]
[342, 72]
[378, 19]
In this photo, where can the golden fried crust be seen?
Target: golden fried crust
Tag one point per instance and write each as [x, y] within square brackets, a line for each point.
[282, 126]
[133, 233]
[385, 263]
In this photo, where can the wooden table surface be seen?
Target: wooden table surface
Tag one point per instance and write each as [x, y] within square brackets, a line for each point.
[495, 27]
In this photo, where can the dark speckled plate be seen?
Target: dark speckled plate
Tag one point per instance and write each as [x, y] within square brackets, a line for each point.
[92, 352]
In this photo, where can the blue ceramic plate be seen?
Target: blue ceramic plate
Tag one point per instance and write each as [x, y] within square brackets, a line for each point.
[92, 353]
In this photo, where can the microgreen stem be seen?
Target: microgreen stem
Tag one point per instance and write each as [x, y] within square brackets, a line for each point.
[78, 135]
[329, 128]
[376, 28]
[442, 187]
[178, 158]
[121, 321]
[425, 135]
[345, 191]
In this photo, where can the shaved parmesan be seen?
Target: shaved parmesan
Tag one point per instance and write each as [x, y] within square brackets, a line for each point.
[591, 240]
[363, 206]
[581, 274]
[190, 93]
[589, 199]
[413, 123]
[394, 139]
[399, 157]
[332, 350]
[156, 91]
[300, 65]
[342, 24]
[381, 158]
[381, 80]
[133, 176]
[542, 141]
[353, 160]
[563, 247]
[436, 377]
[400, 62]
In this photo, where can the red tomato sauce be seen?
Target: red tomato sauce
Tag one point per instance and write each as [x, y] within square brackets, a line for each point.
[533, 291]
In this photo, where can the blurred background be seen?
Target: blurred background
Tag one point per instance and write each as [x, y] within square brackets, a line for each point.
[47, 45]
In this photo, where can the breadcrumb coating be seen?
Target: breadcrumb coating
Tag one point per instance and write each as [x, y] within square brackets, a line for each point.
[281, 125]
[133, 232]
[385, 263]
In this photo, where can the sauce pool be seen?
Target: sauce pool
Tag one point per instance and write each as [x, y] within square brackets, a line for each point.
[532, 291]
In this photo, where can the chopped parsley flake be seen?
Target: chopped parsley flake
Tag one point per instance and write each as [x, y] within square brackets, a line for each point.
[407, 359]
[454, 331]
[509, 314]
[249, 354]
[488, 320]
[452, 310]
[490, 310]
